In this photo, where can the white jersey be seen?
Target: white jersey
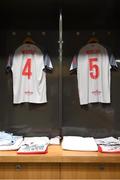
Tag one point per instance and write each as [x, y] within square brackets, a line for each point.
[29, 79]
[93, 74]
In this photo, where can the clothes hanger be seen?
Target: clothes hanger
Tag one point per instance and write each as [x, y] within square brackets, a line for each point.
[28, 39]
[93, 39]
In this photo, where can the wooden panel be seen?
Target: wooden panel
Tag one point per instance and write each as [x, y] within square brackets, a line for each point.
[53, 171]
[90, 171]
[29, 171]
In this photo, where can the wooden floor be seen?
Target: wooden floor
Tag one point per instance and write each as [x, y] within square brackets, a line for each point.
[59, 164]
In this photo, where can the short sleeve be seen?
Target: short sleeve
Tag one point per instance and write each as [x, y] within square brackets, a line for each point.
[47, 62]
[9, 63]
[73, 65]
[112, 59]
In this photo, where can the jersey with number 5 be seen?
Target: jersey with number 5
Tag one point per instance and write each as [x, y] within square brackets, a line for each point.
[93, 74]
[29, 79]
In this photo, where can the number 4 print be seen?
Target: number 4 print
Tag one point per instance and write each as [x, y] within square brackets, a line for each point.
[94, 68]
[27, 69]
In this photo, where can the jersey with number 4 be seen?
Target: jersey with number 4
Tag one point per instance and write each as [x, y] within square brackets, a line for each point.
[29, 79]
[93, 74]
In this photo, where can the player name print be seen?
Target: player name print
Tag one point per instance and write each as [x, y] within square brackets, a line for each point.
[29, 78]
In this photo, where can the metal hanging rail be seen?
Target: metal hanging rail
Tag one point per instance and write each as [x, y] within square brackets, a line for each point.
[60, 66]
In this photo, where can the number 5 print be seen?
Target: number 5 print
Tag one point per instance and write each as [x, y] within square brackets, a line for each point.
[94, 68]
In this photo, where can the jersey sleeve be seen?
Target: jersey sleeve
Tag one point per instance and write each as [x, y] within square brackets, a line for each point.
[112, 59]
[73, 66]
[9, 63]
[47, 62]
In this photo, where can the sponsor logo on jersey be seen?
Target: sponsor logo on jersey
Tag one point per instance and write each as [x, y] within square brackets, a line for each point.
[28, 93]
[96, 92]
